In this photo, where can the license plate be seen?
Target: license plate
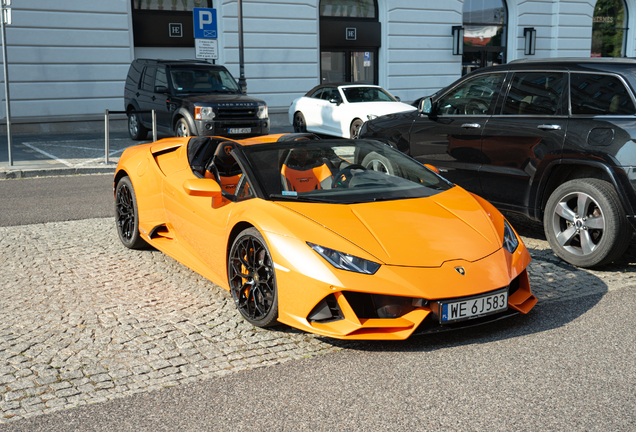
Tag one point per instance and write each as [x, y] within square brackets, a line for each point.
[240, 130]
[473, 307]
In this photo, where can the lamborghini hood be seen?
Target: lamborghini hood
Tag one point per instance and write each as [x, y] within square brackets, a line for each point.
[419, 232]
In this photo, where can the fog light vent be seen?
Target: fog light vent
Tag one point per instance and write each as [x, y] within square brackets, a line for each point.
[326, 311]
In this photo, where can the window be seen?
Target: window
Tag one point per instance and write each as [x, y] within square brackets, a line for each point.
[484, 34]
[609, 28]
[348, 8]
[330, 93]
[148, 80]
[164, 23]
[535, 93]
[317, 94]
[598, 94]
[366, 94]
[169, 5]
[472, 97]
[161, 79]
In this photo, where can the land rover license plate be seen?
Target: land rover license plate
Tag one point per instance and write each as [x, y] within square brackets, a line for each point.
[240, 130]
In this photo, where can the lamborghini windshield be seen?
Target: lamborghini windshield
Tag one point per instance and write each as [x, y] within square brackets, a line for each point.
[340, 171]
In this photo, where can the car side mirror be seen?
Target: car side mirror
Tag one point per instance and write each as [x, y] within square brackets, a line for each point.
[426, 106]
[204, 188]
[397, 98]
[161, 89]
[432, 168]
[336, 101]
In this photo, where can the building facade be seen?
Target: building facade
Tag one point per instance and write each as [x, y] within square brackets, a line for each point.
[68, 59]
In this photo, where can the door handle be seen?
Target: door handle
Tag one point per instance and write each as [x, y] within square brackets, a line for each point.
[549, 127]
[471, 125]
[153, 98]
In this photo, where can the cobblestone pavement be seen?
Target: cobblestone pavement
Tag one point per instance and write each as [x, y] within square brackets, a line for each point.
[84, 320]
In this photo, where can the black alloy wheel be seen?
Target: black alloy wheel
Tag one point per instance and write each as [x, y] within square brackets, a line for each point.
[252, 279]
[299, 123]
[126, 216]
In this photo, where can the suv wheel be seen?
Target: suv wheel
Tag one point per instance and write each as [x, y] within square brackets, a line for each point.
[136, 130]
[182, 129]
[585, 224]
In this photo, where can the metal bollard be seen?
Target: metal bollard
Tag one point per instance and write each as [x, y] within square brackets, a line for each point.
[154, 125]
[106, 143]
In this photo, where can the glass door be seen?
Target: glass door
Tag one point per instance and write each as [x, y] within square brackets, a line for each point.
[348, 66]
[332, 67]
[363, 67]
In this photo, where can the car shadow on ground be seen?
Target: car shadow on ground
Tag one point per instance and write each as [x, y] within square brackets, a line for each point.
[544, 317]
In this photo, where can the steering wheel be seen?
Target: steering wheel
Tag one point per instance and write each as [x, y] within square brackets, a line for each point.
[343, 177]
[475, 107]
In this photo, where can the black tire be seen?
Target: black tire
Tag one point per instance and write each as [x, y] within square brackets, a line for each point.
[252, 279]
[182, 129]
[126, 215]
[300, 126]
[595, 236]
[136, 130]
[377, 162]
[355, 128]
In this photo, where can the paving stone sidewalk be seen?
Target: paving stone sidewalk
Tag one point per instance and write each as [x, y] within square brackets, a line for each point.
[84, 320]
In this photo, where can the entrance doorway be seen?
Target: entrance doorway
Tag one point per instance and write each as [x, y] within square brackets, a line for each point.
[356, 66]
[485, 24]
[350, 36]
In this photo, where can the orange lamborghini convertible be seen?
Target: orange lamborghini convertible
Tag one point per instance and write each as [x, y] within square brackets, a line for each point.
[349, 239]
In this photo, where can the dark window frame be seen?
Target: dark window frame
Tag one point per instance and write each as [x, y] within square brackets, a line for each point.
[485, 49]
[493, 103]
[559, 102]
[622, 80]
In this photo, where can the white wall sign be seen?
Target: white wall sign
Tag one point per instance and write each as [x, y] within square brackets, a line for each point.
[206, 48]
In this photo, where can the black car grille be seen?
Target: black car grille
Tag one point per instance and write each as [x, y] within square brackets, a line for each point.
[237, 123]
[236, 113]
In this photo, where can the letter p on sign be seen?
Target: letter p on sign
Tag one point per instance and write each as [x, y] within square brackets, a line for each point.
[205, 17]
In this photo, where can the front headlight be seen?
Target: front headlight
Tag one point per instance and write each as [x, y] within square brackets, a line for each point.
[372, 116]
[345, 261]
[510, 240]
[262, 112]
[204, 113]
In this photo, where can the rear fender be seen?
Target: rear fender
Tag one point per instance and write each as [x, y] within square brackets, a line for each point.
[617, 178]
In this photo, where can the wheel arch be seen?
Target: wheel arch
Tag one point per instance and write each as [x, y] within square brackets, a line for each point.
[561, 171]
[236, 230]
[132, 106]
[121, 173]
[183, 113]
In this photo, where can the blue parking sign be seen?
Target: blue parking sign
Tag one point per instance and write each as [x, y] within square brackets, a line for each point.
[204, 23]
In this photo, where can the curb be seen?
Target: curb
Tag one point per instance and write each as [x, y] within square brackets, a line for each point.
[54, 172]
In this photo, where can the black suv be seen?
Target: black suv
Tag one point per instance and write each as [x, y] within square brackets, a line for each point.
[552, 139]
[191, 97]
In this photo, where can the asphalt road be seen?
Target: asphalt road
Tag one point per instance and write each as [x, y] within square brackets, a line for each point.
[50, 199]
[568, 365]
